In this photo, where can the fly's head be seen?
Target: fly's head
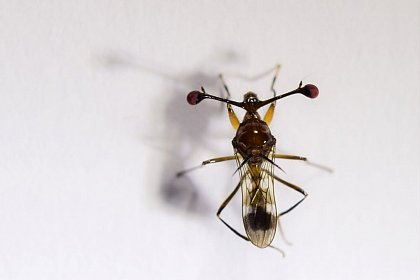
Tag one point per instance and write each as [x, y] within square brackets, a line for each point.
[250, 97]
[251, 103]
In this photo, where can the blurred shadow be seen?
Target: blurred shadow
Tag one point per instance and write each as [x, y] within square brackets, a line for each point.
[186, 129]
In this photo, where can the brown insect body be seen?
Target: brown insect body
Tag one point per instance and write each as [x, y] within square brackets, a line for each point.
[254, 143]
[254, 152]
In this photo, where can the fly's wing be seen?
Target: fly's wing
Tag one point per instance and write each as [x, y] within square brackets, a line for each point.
[258, 203]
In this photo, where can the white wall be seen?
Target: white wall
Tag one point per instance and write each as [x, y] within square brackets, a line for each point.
[94, 124]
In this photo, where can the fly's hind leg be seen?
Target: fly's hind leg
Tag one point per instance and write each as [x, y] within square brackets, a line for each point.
[283, 236]
[232, 116]
[296, 188]
[223, 205]
[270, 112]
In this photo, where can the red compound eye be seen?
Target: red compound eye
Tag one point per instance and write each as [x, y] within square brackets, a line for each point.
[194, 97]
[310, 91]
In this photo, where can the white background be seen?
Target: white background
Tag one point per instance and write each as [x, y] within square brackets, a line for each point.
[94, 124]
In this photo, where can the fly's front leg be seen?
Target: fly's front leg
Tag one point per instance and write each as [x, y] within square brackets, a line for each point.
[276, 73]
[232, 116]
[270, 112]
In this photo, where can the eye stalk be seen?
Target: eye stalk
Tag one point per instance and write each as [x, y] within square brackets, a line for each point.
[195, 97]
[251, 102]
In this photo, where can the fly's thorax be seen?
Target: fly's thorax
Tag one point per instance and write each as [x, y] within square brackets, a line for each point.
[253, 139]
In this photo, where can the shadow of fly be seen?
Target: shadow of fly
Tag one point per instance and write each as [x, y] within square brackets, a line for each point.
[255, 154]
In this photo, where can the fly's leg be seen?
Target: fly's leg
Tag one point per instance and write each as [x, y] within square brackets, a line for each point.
[218, 159]
[296, 188]
[289, 157]
[320, 166]
[276, 73]
[283, 236]
[270, 112]
[223, 205]
[313, 164]
[206, 162]
[224, 85]
[232, 116]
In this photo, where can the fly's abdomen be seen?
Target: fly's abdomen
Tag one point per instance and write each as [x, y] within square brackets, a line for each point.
[259, 217]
